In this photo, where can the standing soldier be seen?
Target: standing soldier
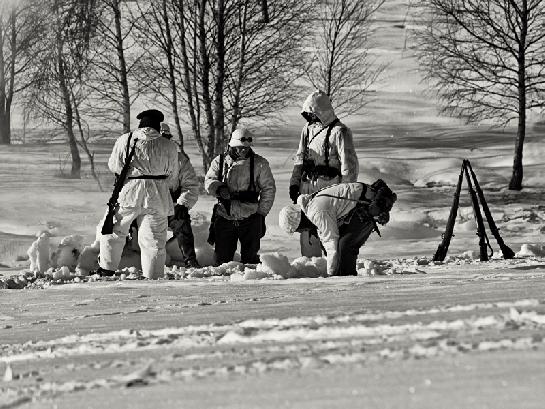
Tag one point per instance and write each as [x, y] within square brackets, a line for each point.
[326, 156]
[343, 216]
[244, 185]
[185, 194]
[144, 197]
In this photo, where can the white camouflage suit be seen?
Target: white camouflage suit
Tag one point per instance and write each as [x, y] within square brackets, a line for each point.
[146, 200]
[328, 210]
[342, 156]
[187, 181]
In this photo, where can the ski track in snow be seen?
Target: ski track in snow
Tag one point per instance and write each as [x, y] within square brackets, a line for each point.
[259, 345]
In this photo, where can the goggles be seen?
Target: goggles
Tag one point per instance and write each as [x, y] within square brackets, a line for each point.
[246, 139]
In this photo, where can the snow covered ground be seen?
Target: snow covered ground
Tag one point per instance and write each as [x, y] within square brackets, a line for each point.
[404, 333]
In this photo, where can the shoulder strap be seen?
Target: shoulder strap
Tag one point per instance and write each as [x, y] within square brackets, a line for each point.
[326, 141]
[252, 181]
[222, 161]
[305, 143]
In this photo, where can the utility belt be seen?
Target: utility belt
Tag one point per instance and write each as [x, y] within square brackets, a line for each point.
[153, 177]
[248, 196]
[311, 171]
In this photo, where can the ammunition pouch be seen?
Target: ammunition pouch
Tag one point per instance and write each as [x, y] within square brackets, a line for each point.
[311, 171]
[247, 196]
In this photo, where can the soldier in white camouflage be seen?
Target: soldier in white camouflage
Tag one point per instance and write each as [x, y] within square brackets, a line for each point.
[244, 185]
[326, 156]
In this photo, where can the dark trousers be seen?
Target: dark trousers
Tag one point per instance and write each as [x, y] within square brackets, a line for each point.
[182, 232]
[228, 232]
[353, 235]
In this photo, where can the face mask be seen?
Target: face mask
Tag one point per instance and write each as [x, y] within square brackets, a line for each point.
[237, 153]
[310, 117]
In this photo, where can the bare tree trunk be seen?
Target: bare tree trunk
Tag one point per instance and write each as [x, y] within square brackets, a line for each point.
[207, 101]
[171, 73]
[518, 173]
[5, 100]
[235, 117]
[75, 172]
[5, 126]
[219, 122]
[264, 11]
[84, 145]
[187, 81]
[125, 95]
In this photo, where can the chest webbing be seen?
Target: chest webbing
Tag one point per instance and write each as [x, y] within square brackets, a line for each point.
[223, 172]
[326, 145]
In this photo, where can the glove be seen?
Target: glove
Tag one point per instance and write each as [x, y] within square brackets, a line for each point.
[383, 218]
[181, 212]
[223, 192]
[294, 193]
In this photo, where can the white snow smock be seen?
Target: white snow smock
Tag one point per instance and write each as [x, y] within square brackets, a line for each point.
[154, 155]
[236, 175]
[327, 214]
[148, 201]
[187, 181]
[342, 154]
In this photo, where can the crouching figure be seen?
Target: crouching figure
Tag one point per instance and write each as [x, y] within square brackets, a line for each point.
[343, 216]
[244, 185]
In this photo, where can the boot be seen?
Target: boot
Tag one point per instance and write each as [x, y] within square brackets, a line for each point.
[192, 263]
[102, 272]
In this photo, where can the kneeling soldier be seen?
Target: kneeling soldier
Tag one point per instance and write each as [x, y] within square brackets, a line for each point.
[185, 194]
[244, 185]
[343, 216]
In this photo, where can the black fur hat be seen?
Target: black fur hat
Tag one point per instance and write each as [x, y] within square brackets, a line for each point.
[151, 118]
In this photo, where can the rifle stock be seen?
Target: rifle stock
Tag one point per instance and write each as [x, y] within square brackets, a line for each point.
[108, 225]
[442, 249]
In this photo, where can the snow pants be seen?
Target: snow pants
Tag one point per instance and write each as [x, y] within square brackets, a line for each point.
[228, 232]
[183, 234]
[352, 236]
[152, 235]
[310, 244]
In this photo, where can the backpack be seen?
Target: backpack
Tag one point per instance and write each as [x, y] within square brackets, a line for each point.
[383, 199]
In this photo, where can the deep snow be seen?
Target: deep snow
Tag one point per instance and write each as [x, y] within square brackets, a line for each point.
[405, 333]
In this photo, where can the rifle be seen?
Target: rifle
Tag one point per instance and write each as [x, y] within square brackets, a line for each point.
[505, 249]
[483, 238]
[108, 226]
[442, 249]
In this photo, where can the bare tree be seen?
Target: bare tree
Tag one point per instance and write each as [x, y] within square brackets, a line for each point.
[20, 27]
[487, 61]
[340, 63]
[220, 63]
[116, 71]
[62, 67]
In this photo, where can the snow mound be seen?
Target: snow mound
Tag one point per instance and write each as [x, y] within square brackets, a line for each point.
[531, 250]
[305, 267]
[275, 264]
